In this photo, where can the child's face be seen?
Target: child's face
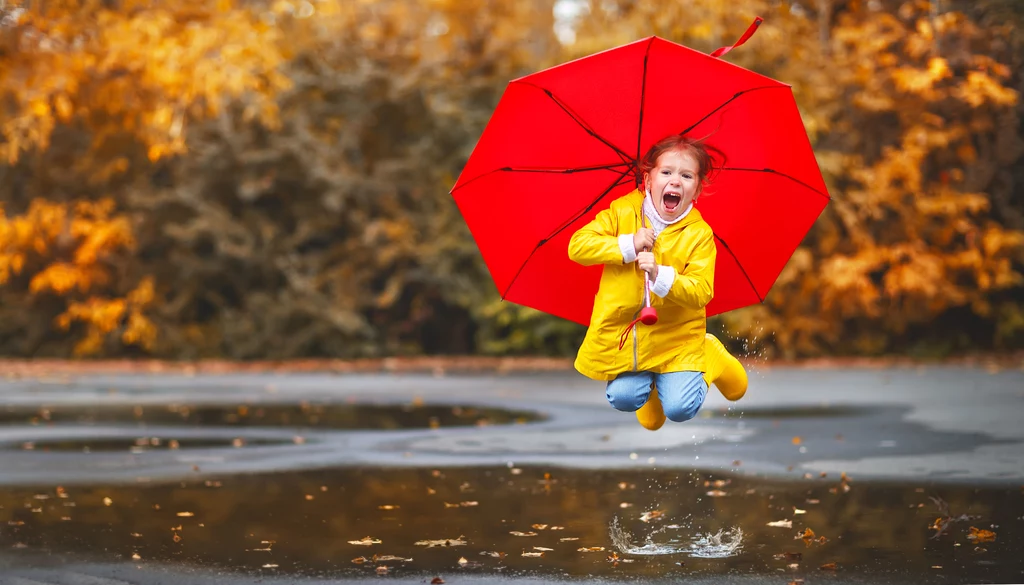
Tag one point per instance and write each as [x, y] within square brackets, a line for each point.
[674, 183]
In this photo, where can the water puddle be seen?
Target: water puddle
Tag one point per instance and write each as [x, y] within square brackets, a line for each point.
[303, 415]
[635, 525]
[143, 444]
[814, 412]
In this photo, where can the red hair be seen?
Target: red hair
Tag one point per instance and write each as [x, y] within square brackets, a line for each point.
[700, 152]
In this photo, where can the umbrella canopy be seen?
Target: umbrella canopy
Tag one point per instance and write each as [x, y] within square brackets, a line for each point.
[565, 142]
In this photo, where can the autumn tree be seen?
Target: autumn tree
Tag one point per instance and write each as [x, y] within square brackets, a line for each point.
[93, 95]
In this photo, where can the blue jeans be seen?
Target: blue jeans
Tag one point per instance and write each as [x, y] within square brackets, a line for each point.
[681, 393]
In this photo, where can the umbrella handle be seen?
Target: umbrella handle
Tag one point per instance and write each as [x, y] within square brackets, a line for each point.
[648, 314]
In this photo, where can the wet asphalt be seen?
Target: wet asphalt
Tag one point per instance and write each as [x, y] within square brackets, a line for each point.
[934, 425]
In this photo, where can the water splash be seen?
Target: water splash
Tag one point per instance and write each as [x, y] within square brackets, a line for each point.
[622, 539]
[722, 544]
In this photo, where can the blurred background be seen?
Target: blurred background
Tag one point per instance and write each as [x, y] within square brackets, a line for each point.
[250, 180]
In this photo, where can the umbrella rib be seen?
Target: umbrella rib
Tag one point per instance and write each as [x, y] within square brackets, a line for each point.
[618, 181]
[781, 174]
[561, 171]
[576, 118]
[541, 170]
[740, 265]
[643, 94]
[727, 102]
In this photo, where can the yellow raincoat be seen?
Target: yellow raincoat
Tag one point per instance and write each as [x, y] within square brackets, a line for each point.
[676, 342]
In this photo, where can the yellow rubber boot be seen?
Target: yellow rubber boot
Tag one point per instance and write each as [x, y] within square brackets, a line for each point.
[723, 370]
[651, 415]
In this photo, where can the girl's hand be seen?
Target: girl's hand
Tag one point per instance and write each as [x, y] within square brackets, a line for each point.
[643, 238]
[647, 264]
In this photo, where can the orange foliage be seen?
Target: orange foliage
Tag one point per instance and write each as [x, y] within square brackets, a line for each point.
[132, 69]
[63, 250]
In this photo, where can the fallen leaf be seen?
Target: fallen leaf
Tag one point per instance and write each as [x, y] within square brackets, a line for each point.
[463, 561]
[382, 570]
[799, 511]
[981, 535]
[468, 504]
[567, 539]
[543, 548]
[807, 536]
[718, 483]
[185, 514]
[107, 501]
[447, 505]
[781, 524]
[590, 549]
[533, 554]
[365, 541]
[443, 542]
[796, 582]
[387, 507]
[378, 558]
[828, 567]
[797, 440]
[359, 560]
[625, 505]
[437, 581]
[269, 566]
[517, 533]
[716, 493]
[793, 566]
[557, 528]
[789, 556]
[539, 526]
[495, 554]
[176, 538]
[651, 515]
[135, 556]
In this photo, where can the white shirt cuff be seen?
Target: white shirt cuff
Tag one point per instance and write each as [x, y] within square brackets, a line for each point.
[663, 284]
[627, 249]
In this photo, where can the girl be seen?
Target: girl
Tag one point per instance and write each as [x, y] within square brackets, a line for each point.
[661, 370]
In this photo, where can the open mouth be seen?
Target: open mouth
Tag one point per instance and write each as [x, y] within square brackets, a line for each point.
[671, 201]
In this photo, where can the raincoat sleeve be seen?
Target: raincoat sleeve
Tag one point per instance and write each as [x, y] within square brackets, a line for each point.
[597, 242]
[694, 284]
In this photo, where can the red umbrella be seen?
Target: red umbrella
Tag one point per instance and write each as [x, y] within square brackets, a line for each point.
[565, 142]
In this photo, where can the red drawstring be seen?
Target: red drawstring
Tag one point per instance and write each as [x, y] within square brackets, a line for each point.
[625, 333]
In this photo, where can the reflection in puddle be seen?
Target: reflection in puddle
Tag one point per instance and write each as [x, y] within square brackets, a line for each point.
[302, 415]
[638, 524]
